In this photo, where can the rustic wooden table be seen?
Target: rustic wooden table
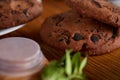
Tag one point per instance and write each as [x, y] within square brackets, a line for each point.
[105, 67]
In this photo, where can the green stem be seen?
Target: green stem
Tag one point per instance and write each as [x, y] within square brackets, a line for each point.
[74, 77]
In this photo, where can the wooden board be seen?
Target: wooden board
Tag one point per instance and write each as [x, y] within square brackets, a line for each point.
[105, 67]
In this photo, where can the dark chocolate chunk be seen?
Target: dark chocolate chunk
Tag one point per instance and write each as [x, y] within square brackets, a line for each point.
[115, 32]
[31, 4]
[18, 5]
[58, 19]
[117, 19]
[3, 16]
[67, 40]
[17, 21]
[78, 37]
[64, 38]
[81, 16]
[25, 12]
[95, 38]
[97, 4]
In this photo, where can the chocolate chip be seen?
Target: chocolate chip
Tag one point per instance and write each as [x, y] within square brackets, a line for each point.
[31, 4]
[67, 40]
[3, 16]
[64, 38]
[84, 47]
[58, 19]
[117, 19]
[115, 32]
[25, 12]
[78, 37]
[17, 21]
[18, 5]
[81, 16]
[95, 38]
[97, 4]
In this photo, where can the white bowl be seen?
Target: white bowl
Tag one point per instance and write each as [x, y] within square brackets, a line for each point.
[6, 31]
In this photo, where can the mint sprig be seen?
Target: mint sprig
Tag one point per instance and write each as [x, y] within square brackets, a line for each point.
[69, 68]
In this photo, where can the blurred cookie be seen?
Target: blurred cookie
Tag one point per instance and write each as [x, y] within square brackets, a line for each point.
[70, 30]
[101, 10]
[16, 12]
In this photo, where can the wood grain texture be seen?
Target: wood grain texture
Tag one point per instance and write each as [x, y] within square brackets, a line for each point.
[105, 67]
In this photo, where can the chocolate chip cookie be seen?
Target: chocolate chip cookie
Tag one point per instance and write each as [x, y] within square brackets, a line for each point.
[101, 10]
[16, 12]
[71, 30]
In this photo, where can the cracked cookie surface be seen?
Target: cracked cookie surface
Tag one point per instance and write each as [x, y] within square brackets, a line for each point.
[71, 30]
[101, 10]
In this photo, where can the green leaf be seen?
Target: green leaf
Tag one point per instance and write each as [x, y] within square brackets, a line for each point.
[76, 62]
[53, 72]
[82, 65]
[68, 64]
[49, 71]
[68, 68]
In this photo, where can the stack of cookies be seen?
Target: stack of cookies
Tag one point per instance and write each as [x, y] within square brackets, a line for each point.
[92, 26]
